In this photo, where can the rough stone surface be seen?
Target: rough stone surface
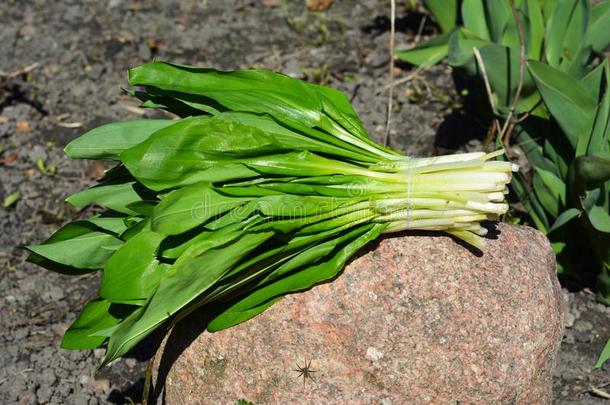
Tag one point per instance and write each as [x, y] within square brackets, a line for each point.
[414, 319]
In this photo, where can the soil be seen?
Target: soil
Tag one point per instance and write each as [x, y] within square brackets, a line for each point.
[61, 67]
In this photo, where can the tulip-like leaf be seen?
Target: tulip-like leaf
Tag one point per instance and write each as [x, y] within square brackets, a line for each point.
[567, 99]
[444, 12]
[428, 53]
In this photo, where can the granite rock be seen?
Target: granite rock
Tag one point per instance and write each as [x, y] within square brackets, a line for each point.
[417, 319]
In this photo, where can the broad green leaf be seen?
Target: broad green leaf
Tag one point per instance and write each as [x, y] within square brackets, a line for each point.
[289, 101]
[498, 14]
[428, 53]
[173, 102]
[182, 104]
[569, 102]
[595, 81]
[336, 105]
[461, 44]
[566, 28]
[189, 277]
[604, 356]
[248, 90]
[529, 135]
[180, 154]
[597, 33]
[205, 240]
[473, 14]
[108, 141]
[579, 65]
[550, 189]
[599, 218]
[534, 31]
[109, 222]
[564, 218]
[190, 206]
[558, 248]
[80, 245]
[502, 67]
[292, 206]
[255, 302]
[559, 151]
[596, 141]
[274, 257]
[132, 273]
[444, 12]
[96, 315]
[301, 163]
[299, 137]
[119, 197]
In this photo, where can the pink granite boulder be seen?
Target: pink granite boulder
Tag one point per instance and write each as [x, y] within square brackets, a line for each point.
[412, 320]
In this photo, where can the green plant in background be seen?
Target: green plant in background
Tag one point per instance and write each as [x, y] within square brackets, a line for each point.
[540, 65]
[266, 187]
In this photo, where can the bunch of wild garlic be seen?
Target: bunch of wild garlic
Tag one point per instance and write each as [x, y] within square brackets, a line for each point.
[266, 187]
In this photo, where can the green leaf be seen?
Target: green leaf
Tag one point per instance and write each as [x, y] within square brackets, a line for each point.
[498, 14]
[191, 151]
[596, 141]
[120, 197]
[257, 301]
[595, 81]
[190, 206]
[597, 33]
[133, 272]
[550, 189]
[204, 240]
[96, 315]
[248, 90]
[566, 98]
[502, 67]
[337, 106]
[565, 29]
[534, 31]
[182, 154]
[188, 278]
[79, 245]
[444, 12]
[473, 14]
[461, 44]
[564, 218]
[108, 141]
[11, 199]
[108, 222]
[599, 218]
[300, 163]
[428, 53]
[604, 356]
[290, 101]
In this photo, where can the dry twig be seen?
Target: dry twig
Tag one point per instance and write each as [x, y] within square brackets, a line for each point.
[505, 130]
[599, 392]
[509, 123]
[408, 78]
[18, 72]
[391, 92]
[477, 56]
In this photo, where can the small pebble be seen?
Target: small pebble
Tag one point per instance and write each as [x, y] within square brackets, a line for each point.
[374, 354]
